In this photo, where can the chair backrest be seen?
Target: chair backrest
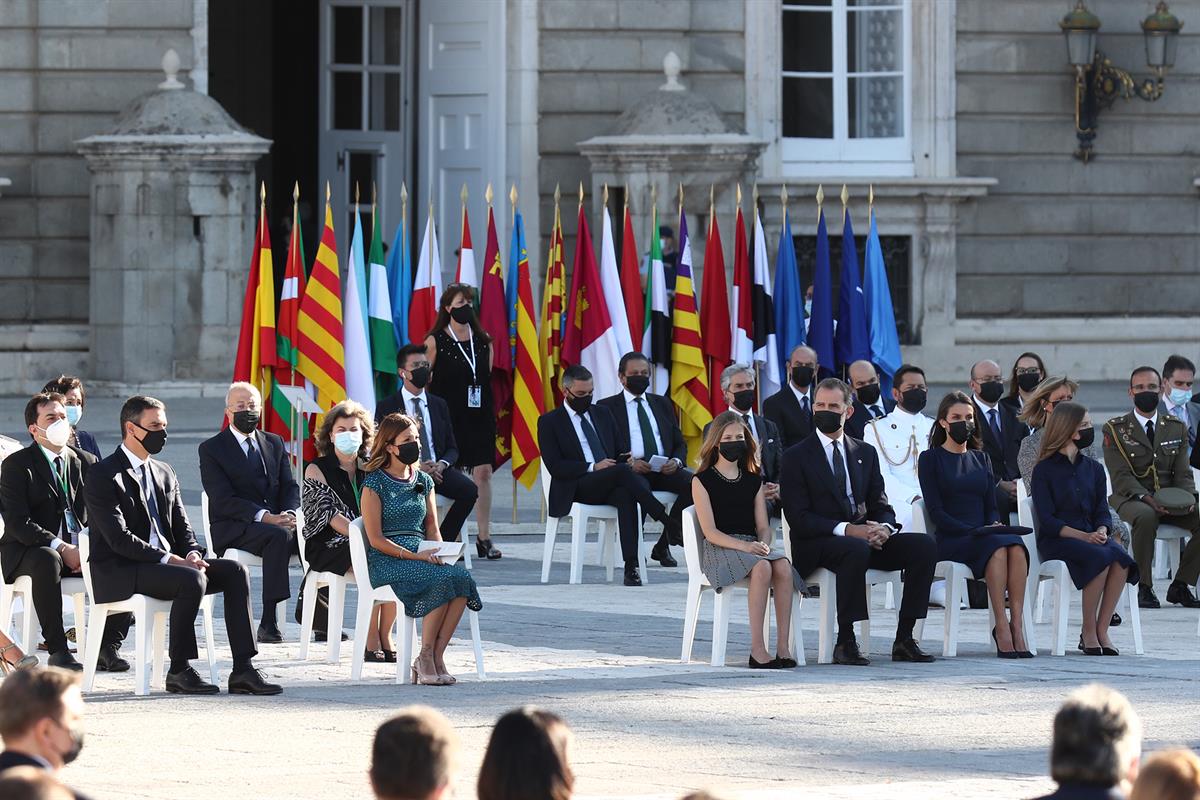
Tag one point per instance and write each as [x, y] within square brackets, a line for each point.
[1195, 482]
[921, 523]
[358, 549]
[1028, 518]
[693, 539]
[1022, 493]
[208, 548]
[787, 538]
[85, 553]
[545, 473]
[300, 539]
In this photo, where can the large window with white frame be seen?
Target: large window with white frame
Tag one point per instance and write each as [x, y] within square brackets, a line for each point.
[846, 87]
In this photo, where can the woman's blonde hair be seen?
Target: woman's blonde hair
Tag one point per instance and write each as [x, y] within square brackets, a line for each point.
[1169, 775]
[1032, 412]
[1061, 428]
[712, 443]
[389, 428]
[347, 409]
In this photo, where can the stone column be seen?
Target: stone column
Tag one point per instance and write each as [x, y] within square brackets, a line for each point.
[172, 226]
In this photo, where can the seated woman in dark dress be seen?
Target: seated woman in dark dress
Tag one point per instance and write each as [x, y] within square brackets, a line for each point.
[957, 485]
[1074, 523]
[731, 510]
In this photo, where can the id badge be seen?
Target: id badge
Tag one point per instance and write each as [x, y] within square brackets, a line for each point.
[474, 397]
[72, 523]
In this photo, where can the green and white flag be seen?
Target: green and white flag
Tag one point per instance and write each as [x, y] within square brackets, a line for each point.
[380, 326]
[656, 333]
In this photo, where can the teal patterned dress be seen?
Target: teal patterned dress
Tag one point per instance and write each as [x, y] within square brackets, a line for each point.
[421, 586]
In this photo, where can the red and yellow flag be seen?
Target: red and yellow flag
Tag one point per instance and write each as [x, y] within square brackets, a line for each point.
[554, 304]
[321, 355]
[528, 397]
[256, 355]
[494, 319]
[689, 373]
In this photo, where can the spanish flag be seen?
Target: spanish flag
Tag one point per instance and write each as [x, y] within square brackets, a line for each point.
[256, 353]
[321, 356]
[689, 373]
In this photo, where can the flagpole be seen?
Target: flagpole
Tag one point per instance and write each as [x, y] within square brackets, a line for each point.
[753, 232]
[650, 279]
[845, 211]
[295, 444]
[262, 222]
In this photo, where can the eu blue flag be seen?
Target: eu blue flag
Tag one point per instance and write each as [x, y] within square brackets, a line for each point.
[853, 342]
[789, 298]
[400, 278]
[820, 323]
[881, 317]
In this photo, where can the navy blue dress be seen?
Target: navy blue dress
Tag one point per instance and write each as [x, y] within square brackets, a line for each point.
[959, 493]
[1073, 495]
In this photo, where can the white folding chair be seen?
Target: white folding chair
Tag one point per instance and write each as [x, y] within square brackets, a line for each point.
[580, 514]
[246, 559]
[150, 631]
[71, 588]
[693, 538]
[464, 535]
[369, 597]
[313, 581]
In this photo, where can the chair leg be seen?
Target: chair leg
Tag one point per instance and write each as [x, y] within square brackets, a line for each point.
[158, 651]
[691, 615]
[80, 601]
[797, 630]
[281, 620]
[1062, 605]
[91, 656]
[6, 603]
[141, 641]
[465, 536]
[548, 547]
[29, 624]
[337, 613]
[578, 534]
[720, 627]
[953, 614]
[406, 631]
[1135, 618]
[477, 643]
[362, 620]
[919, 630]
[864, 627]
[308, 610]
[828, 585]
[210, 643]
[643, 560]
[889, 597]
[1041, 602]
[608, 548]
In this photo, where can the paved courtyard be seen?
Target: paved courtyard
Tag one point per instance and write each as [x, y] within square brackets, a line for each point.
[607, 659]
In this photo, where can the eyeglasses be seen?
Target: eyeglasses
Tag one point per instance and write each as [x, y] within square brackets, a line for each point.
[1028, 371]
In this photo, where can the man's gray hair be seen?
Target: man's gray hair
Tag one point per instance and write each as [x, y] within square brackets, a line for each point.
[243, 385]
[1097, 737]
[835, 384]
[728, 374]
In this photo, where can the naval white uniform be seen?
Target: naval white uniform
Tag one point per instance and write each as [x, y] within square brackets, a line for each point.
[899, 437]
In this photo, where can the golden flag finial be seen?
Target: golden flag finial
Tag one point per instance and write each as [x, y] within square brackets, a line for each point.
[820, 196]
[871, 196]
[712, 199]
[739, 195]
[581, 193]
[463, 194]
[557, 193]
[754, 199]
[328, 192]
[626, 195]
[403, 192]
[654, 196]
[356, 193]
[512, 195]
[845, 195]
[606, 194]
[296, 192]
[783, 196]
[374, 193]
[262, 192]
[487, 193]
[681, 196]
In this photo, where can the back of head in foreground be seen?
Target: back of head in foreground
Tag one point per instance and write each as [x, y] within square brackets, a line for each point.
[414, 755]
[527, 758]
[1097, 739]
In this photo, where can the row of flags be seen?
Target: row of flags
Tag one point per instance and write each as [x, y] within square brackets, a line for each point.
[337, 336]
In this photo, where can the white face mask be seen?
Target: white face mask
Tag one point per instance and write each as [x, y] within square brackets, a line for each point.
[347, 442]
[58, 434]
[74, 413]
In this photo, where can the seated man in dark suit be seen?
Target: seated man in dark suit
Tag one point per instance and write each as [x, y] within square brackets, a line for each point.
[868, 404]
[439, 450]
[142, 543]
[737, 384]
[41, 716]
[840, 520]
[252, 498]
[1001, 432]
[41, 496]
[647, 427]
[579, 447]
[791, 407]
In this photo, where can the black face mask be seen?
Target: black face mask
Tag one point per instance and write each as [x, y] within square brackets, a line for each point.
[76, 744]
[827, 422]
[1146, 402]
[579, 405]
[409, 452]
[420, 376]
[961, 431]
[732, 451]
[744, 400]
[462, 314]
[1086, 437]
[246, 421]
[991, 391]
[153, 441]
[868, 395]
[637, 384]
[802, 376]
[1028, 381]
[913, 400]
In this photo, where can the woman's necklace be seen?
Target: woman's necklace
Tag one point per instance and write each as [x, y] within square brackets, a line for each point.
[726, 478]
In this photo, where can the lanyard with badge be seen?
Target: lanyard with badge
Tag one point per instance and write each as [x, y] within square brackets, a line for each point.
[72, 523]
[474, 391]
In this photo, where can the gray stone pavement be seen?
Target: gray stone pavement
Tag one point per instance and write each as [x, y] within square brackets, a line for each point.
[607, 659]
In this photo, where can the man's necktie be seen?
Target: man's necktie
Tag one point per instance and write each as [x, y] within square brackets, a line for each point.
[156, 522]
[839, 477]
[876, 412]
[804, 404]
[256, 463]
[994, 419]
[749, 427]
[426, 446]
[593, 439]
[649, 447]
[1150, 430]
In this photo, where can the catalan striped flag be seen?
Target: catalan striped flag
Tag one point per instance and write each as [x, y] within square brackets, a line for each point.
[321, 355]
[280, 414]
[528, 397]
[256, 352]
[554, 304]
[689, 373]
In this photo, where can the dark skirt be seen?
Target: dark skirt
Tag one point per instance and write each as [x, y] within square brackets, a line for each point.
[1086, 560]
[975, 549]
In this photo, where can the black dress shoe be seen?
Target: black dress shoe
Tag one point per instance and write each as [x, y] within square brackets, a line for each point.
[64, 660]
[1147, 598]
[323, 636]
[188, 681]
[632, 578]
[269, 634]
[850, 655]
[772, 664]
[1181, 594]
[909, 650]
[374, 656]
[252, 681]
[1115, 621]
[662, 554]
[110, 661]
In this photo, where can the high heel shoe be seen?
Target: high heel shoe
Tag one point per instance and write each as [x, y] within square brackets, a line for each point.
[486, 549]
[1089, 651]
[424, 672]
[1008, 654]
[25, 662]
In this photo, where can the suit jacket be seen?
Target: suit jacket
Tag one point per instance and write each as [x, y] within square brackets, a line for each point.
[664, 416]
[235, 495]
[794, 424]
[563, 455]
[770, 447]
[812, 500]
[11, 758]
[445, 446]
[1003, 453]
[1078, 791]
[32, 501]
[1192, 421]
[119, 520]
[856, 426]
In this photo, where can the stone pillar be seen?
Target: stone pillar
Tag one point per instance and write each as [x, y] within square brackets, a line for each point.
[172, 226]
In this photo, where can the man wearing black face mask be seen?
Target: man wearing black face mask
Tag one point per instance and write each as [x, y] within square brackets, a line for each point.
[41, 720]
[1146, 452]
[142, 543]
[900, 437]
[868, 402]
[1000, 431]
[439, 449]
[737, 383]
[791, 407]
[252, 498]
[646, 428]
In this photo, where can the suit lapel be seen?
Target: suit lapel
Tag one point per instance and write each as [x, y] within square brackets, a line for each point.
[567, 434]
[43, 468]
[826, 471]
[854, 469]
[984, 425]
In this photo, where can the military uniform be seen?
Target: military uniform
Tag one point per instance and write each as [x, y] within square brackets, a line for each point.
[1138, 467]
[899, 437]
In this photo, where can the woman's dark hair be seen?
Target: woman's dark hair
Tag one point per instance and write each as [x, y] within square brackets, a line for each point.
[65, 383]
[386, 432]
[1013, 388]
[526, 758]
[938, 435]
[443, 316]
[710, 448]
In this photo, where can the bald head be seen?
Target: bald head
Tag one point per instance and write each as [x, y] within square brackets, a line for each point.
[862, 372]
[987, 382]
[984, 370]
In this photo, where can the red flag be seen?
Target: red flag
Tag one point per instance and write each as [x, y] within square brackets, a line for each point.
[631, 282]
[256, 352]
[494, 318]
[715, 325]
[279, 413]
[588, 337]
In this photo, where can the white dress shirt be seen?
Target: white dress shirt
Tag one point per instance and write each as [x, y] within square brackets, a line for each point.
[748, 418]
[576, 422]
[155, 540]
[426, 420]
[50, 455]
[637, 447]
[827, 446]
[802, 396]
[1143, 419]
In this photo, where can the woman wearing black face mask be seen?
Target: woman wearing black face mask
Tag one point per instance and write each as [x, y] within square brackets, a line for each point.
[1074, 522]
[956, 485]
[1028, 371]
[398, 511]
[731, 510]
[460, 353]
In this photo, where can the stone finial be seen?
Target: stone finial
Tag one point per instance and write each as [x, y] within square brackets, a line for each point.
[671, 67]
[170, 65]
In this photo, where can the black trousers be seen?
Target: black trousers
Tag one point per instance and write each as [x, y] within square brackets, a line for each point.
[275, 545]
[849, 559]
[679, 482]
[185, 588]
[45, 569]
[619, 486]
[456, 486]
